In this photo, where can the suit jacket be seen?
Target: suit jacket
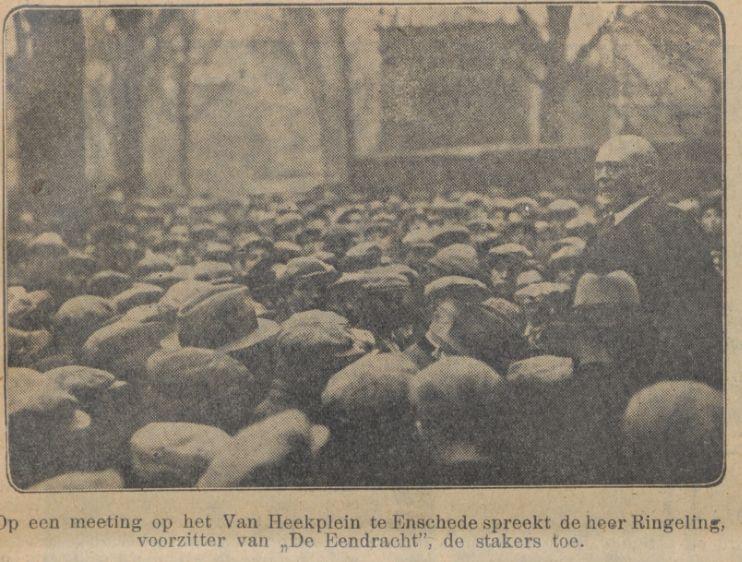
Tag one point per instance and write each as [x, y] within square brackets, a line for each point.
[668, 256]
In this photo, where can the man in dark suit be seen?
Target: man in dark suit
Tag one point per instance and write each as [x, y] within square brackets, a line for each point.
[665, 252]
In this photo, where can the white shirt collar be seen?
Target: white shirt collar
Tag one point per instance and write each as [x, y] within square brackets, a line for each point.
[618, 217]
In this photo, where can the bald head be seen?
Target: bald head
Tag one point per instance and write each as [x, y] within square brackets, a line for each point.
[625, 170]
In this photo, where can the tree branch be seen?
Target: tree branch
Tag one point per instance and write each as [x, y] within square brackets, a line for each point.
[584, 51]
[532, 32]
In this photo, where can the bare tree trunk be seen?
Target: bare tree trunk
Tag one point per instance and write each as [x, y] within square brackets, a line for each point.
[183, 109]
[553, 85]
[128, 99]
[48, 98]
[338, 25]
[302, 28]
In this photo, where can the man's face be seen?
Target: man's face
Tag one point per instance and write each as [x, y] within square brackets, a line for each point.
[618, 181]
[624, 170]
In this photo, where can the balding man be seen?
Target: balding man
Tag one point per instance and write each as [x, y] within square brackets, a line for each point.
[665, 253]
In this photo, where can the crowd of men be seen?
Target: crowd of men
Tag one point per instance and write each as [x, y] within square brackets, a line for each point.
[329, 339]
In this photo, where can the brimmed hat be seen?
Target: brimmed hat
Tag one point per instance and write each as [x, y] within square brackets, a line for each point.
[155, 312]
[175, 453]
[526, 206]
[545, 197]
[507, 311]
[475, 200]
[225, 320]
[501, 204]
[249, 240]
[139, 293]
[284, 441]
[190, 367]
[575, 241]
[484, 242]
[581, 225]
[606, 300]
[616, 288]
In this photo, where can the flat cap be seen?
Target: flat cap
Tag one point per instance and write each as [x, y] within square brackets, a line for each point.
[543, 369]
[31, 394]
[28, 309]
[175, 453]
[139, 293]
[124, 346]
[288, 436]
[84, 383]
[183, 291]
[152, 262]
[373, 386]
[510, 249]
[80, 316]
[190, 367]
[674, 433]
[49, 244]
[308, 268]
[456, 259]
[456, 287]
[455, 389]
[213, 271]
[108, 479]
[108, 283]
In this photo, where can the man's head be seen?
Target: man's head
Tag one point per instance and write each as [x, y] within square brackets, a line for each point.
[625, 170]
